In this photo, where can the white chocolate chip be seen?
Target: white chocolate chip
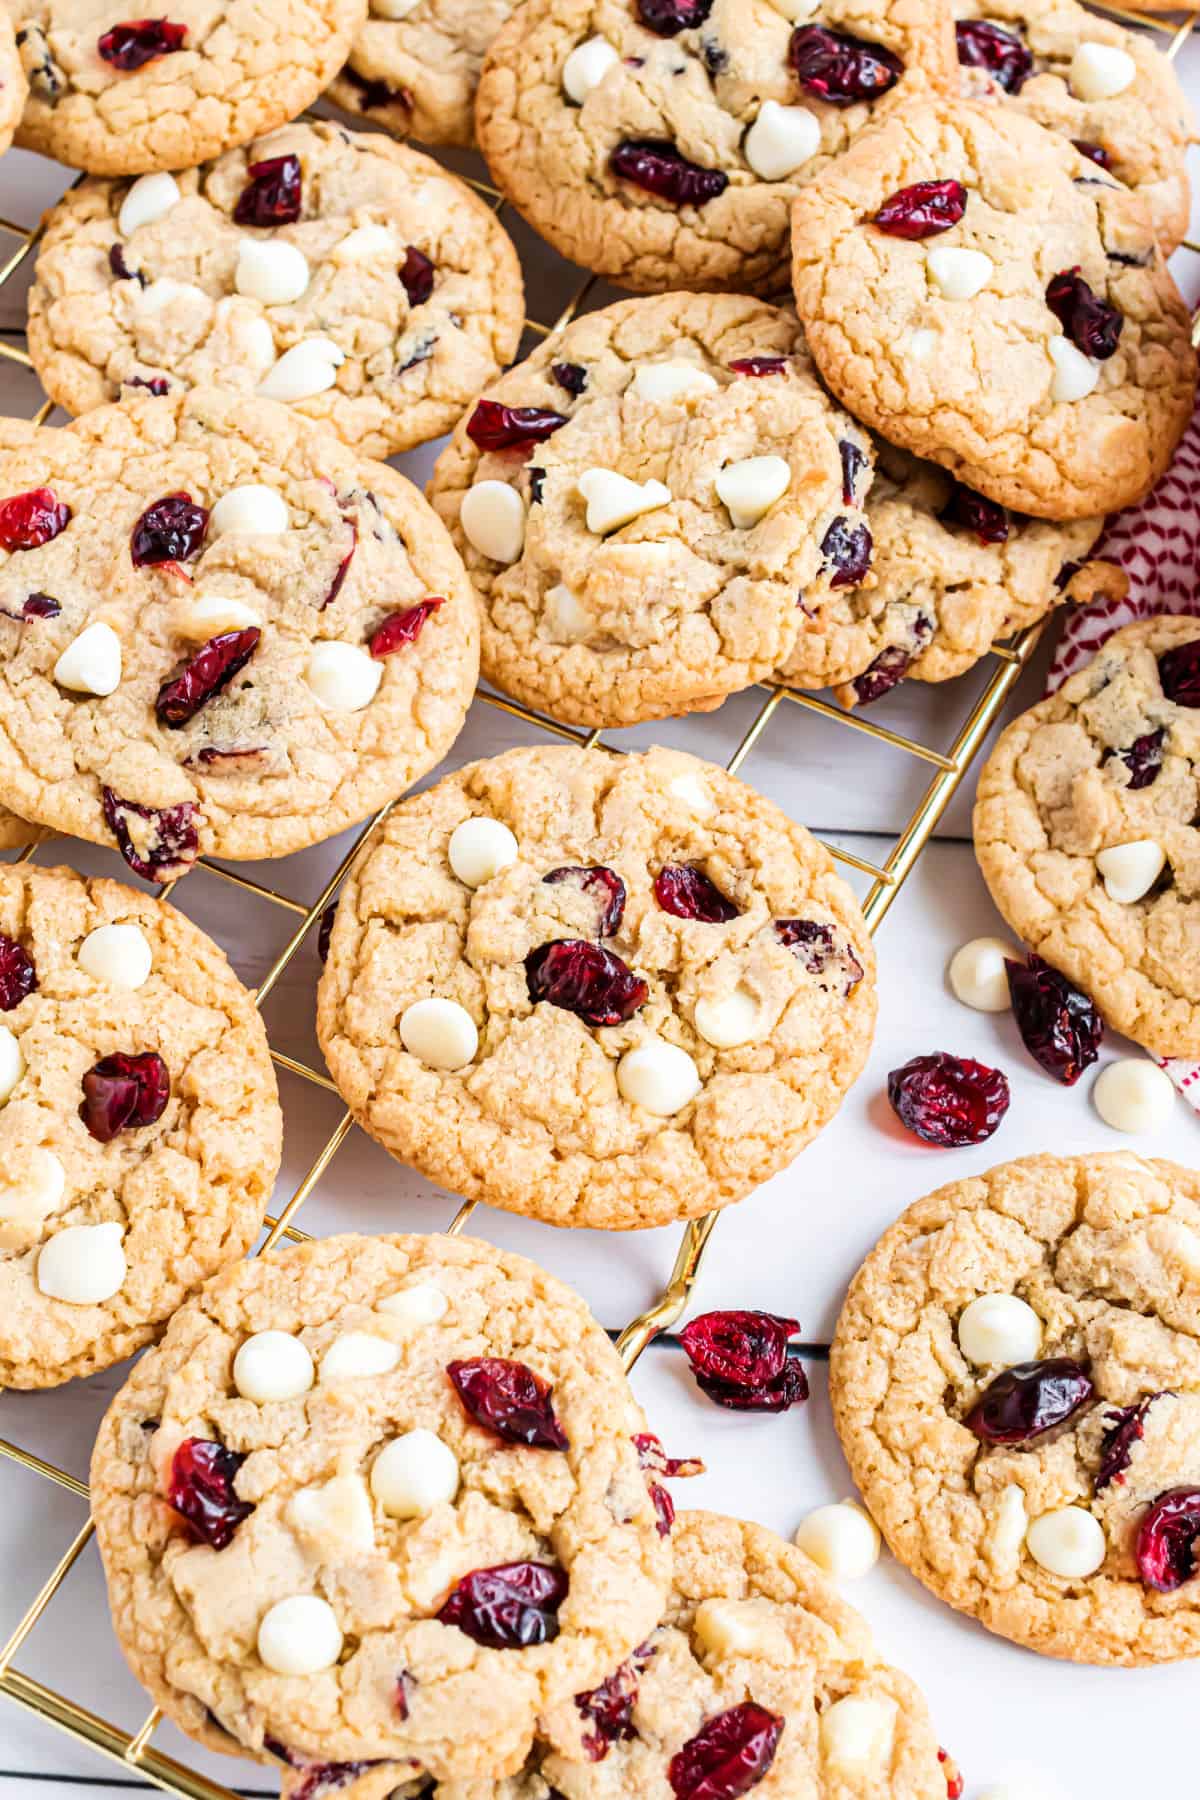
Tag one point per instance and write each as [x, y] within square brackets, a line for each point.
[308, 368]
[91, 662]
[1100, 71]
[999, 1329]
[671, 381]
[340, 1510]
[658, 1076]
[273, 272]
[84, 1264]
[692, 791]
[207, 615]
[440, 1033]
[117, 954]
[493, 520]
[796, 10]
[978, 976]
[272, 1365]
[781, 140]
[252, 339]
[420, 1304]
[840, 1539]
[1131, 870]
[413, 1474]
[750, 488]
[479, 849]
[958, 272]
[564, 618]
[1008, 1530]
[393, 9]
[364, 242]
[857, 1734]
[342, 676]
[148, 199]
[613, 500]
[738, 1627]
[1067, 1542]
[250, 507]
[735, 1018]
[922, 344]
[1075, 375]
[586, 67]
[12, 1062]
[299, 1636]
[1133, 1094]
[165, 292]
[32, 1185]
[358, 1353]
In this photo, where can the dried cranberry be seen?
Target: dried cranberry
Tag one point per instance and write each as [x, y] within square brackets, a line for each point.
[661, 169]
[27, 521]
[982, 45]
[788, 1388]
[496, 427]
[669, 17]
[572, 377]
[172, 530]
[1059, 1026]
[847, 550]
[760, 365]
[841, 69]
[948, 1100]
[372, 94]
[923, 210]
[40, 606]
[123, 1092]
[400, 628]
[406, 1681]
[728, 1756]
[1090, 323]
[509, 1399]
[745, 1348]
[1094, 152]
[416, 276]
[1029, 1399]
[819, 946]
[955, 1785]
[965, 507]
[651, 1455]
[200, 1489]
[272, 194]
[604, 884]
[158, 385]
[1167, 1540]
[881, 676]
[584, 979]
[120, 268]
[537, 481]
[854, 461]
[325, 1778]
[325, 930]
[687, 893]
[220, 759]
[164, 851]
[1179, 673]
[18, 977]
[1126, 1426]
[508, 1607]
[343, 568]
[609, 1708]
[1143, 758]
[664, 1508]
[139, 41]
[212, 668]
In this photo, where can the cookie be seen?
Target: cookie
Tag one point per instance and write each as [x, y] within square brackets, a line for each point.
[603, 990]
[983, 295]
[1086, 832]
[119, 96]
[949, 573]
[641, 504]
[345, 274]
[222, 631]
[14, 832]
[14, 90]
[1016, 1385]
[660, 142]
[1107, 89]
[414, 66]
[368, 1489]
[140, 1130]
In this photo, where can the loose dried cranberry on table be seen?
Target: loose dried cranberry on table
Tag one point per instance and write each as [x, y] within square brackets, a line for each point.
[604, 884]
[847, 550]
[1125, 1427]
[496, 427]
[138, 41]
[854, 461]
[509, 1399]
[1059, 1025]
[586, 980]
[272, 194]
[1143, 758]
[18, 977]
[948, 1100]
[740, 1360]
[965, 507]
[955, 1785]
[416, 276]
[571, 377]
[400, 628]
[167, 838]
[669, 17]
[27, 521]
[1168, 1540]
[1094, 152]
[760, 365]
[728, 1756]
[1028, 1399]
[923, 210]
[200, 1489]
[1179, 673]
[983, 45]
[818, 947]
[508, 1607]
[212, 668]
[171, 530]
[123, 1092]
[687, 893]
[839, 68]
[661, 169]
[1090, 323]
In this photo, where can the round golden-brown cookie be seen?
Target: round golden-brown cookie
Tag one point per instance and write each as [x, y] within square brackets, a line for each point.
[385, 283]
[604, 990]
[1111, 760]
[228, 633]
[454, 1559]
[1088, 1271]
[125, 1183]
[676, 599]
[660, 142]
[973, 343]
[414, 66]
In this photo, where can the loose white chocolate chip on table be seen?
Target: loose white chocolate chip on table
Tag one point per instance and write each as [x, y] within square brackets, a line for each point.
[671, 381]
[857, 1733]
[272, 1365]
[207, 615]
[441, 1033]
[493, 520]
[420, 1304]
[1075, 375]
[148, 199]
[658, 1076]
[840, 1539]
[613, 500]
[413, 1474]
[83, 1264]
[12, 1062]
[692, 791]
[1067, 1542]
[251, 507]
[358, 1353]
[91, 662]
[339, 1509]
[958, 272]
[1100, 71]
[479, 849]
[117, 954]
[564, 618]
[299, 1636]
[1133, 1094]
[342, 676]
[269, 271]
[750, 489]
[781, 140]
[978, 976]
[586, 67]
[32, 1186]
[999, 1328]
[305, 370]
[364, 242]
[1130, 870]
[735, 1018]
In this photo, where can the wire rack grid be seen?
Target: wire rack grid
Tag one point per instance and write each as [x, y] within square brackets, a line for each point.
[134, 1751]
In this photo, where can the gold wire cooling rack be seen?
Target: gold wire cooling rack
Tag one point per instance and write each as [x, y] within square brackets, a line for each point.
[134, 1752]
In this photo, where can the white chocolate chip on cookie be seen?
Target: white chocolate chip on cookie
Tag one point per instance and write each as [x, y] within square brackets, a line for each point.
[441, 1033]
[117, 954]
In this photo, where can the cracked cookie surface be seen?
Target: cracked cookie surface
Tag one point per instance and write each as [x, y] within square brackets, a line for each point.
[228, 691]
[184, 1193]
[1112, 759]
[414, 66]
[992, 383]
[707, 100]
[312, 1509]
[688, 601]
[382, 254]
[707, 911]
[1099, 1259]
